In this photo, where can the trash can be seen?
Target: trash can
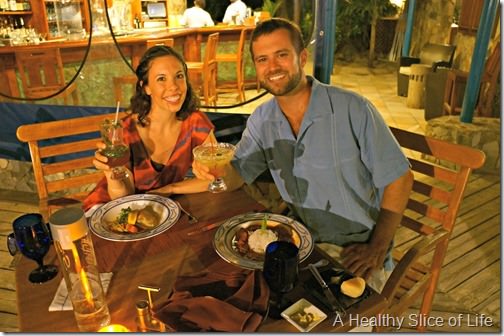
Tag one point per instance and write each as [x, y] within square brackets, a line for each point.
[416, 85]
[435, 84]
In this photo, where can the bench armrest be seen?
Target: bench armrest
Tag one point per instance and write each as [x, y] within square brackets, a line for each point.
[407, 61]
[437, 64]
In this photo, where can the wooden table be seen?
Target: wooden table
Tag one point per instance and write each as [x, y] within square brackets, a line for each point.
[157, 261]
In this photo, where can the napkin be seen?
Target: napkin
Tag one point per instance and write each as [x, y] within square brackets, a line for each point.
[61, 300]
[216, 301]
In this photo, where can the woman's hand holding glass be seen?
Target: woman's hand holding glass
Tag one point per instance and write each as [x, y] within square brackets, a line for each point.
[107, 164]
[113, 153]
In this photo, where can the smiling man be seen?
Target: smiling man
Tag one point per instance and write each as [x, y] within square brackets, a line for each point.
[331, 155]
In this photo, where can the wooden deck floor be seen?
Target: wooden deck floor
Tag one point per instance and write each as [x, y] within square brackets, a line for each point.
[469, 284]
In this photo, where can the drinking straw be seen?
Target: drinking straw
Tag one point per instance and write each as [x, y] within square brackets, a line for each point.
[117, 113]
[212, 138]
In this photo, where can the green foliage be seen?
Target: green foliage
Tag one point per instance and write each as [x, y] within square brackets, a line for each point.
[271, 6]
[307, 26]
[353, 21]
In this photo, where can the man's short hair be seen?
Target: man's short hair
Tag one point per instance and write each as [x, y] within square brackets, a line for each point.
[200, 3]
[269, 26]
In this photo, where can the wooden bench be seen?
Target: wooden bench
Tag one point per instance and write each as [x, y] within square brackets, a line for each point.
[431, 55]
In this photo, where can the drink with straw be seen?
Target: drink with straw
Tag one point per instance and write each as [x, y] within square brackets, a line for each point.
[215, 156]
[116, 150]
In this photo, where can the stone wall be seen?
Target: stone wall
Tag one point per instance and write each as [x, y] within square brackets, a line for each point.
[482, 133]
[432, 23]
[17, 175]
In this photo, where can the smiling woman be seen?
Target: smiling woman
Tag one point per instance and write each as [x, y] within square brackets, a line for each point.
[161, 130]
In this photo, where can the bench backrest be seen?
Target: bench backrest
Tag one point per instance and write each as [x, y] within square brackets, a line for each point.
[436, 53]
[73, 143]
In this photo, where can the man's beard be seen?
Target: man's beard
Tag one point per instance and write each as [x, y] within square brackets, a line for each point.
[287, 88]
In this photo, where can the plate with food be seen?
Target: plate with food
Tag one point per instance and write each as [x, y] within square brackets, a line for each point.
[242, 239]
[134, 217]
[304, 315]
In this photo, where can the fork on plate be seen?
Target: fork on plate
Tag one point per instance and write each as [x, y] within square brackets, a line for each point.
[192, 219]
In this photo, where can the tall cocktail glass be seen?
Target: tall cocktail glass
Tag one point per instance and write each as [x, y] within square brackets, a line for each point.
[116, 150]
[215, 156]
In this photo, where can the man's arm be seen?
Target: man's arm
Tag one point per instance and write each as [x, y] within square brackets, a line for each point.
[362, 259]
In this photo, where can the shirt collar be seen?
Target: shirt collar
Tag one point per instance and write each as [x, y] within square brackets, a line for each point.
[318, 98]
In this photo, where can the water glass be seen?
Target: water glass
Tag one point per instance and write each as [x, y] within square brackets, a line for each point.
[280, 270]
[89, 305]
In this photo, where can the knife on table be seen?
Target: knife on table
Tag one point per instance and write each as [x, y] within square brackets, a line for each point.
[333, 301]
[204, 228]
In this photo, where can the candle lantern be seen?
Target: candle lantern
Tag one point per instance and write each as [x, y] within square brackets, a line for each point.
[75, 250]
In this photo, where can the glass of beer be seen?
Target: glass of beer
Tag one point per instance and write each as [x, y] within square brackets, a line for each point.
[215, 156]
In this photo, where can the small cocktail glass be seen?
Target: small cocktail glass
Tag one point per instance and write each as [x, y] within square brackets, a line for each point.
[116, 150]
[215, 156]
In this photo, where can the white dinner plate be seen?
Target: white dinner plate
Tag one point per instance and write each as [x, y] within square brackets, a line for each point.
[167, 209]
[225, 243]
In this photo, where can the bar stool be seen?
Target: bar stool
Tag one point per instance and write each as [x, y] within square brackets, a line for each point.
[119, 83]
[208, 69]
[238, 59]
[42, 74]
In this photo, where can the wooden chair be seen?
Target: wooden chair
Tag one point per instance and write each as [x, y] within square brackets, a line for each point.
[42, 74]
[238, 59]
[456, 82]
[429, 217]
[119, 83]
[167, 42]
[228, 126]
[208, 70]
[62, 153]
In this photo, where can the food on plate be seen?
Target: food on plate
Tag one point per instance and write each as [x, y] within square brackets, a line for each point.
[306, 316]
[353, 287]
[259, 239]
[251, 240]
[134, 221]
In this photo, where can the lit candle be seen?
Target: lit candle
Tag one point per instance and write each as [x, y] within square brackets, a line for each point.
[114, 328]
[88, 292]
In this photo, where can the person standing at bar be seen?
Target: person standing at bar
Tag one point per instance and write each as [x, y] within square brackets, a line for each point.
[197, 16]
[236, 13]
[332, 157]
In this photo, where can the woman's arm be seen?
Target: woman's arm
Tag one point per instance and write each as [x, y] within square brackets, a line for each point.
[116, 187]
[188, 186]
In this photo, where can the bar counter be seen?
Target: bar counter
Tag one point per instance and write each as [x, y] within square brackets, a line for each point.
[188, 40]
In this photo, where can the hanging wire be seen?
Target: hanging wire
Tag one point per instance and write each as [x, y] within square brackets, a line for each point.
[88, 47]
[201, 106]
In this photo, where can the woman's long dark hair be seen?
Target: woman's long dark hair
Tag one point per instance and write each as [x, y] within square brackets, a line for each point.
[141, 101]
